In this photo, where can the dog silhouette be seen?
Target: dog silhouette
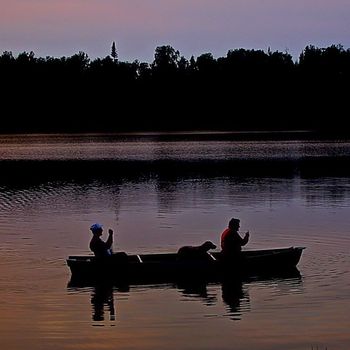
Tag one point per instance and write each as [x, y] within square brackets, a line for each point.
[195, 252]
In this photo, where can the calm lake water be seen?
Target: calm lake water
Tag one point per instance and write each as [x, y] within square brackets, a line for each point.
[159, 192]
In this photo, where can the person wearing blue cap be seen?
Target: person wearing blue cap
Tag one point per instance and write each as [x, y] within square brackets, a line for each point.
[97, 245]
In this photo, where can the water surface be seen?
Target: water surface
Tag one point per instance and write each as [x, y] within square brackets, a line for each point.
[159, 193]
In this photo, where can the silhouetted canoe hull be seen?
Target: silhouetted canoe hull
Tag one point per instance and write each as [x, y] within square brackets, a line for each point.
[162, 267]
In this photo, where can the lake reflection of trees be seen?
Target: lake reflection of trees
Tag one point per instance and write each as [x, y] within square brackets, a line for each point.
[331, 190]
[170, 195]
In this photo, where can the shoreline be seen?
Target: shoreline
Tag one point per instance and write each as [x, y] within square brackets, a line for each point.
[239, 135]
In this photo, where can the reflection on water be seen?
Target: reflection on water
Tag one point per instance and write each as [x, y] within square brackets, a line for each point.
[158, 196]
[103, 300]
[233, 295]
[33, 159]
[102, 296]
[234, 292]
[274, 207]
[196, 289]
[191, 147]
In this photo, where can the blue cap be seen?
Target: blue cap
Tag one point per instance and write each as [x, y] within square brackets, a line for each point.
[96, 227]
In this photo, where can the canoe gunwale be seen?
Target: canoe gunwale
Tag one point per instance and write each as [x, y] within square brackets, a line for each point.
[165, 266]
[144, 258]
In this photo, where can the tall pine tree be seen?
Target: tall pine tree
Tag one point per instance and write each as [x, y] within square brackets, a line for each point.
[114, 53]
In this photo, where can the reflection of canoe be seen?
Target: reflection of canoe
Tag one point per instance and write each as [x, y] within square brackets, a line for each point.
[234, 291]
[148, 267]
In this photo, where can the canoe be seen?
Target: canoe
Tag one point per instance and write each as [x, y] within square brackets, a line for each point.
[143, 268]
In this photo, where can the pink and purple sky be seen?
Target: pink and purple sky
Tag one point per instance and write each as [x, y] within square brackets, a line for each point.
[64, 27]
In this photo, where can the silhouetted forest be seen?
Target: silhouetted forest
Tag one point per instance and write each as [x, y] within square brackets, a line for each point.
[245, 90]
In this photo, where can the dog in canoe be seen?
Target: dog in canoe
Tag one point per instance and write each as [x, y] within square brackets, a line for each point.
[195, 252]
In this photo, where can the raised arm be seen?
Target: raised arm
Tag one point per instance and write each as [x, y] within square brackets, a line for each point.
[109, 241]
[245, 239]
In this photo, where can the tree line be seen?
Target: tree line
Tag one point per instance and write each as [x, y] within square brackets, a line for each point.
[244, 90]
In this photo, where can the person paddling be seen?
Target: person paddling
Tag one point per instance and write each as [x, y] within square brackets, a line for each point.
[232, 242]
[97, 245]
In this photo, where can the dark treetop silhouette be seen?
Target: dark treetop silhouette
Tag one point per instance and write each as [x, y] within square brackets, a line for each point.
[245, 90]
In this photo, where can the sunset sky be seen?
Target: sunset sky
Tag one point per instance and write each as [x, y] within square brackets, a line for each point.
[64, 27]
